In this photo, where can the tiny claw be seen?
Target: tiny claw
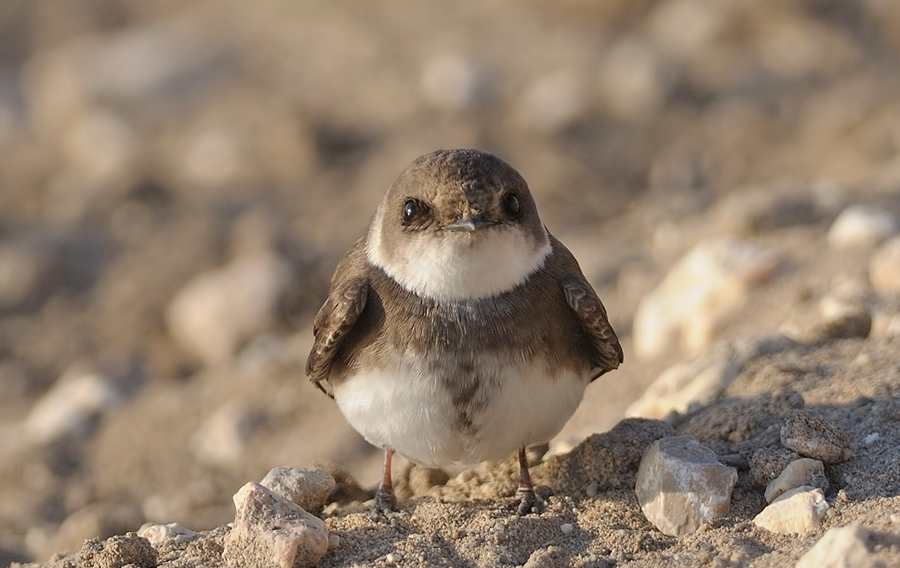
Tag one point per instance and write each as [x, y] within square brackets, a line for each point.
[385, 504]
[529, 502]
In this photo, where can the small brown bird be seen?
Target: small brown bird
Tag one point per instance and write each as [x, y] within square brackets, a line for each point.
[458, 329]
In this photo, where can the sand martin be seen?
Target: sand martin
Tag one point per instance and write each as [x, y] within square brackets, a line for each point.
[458, 329]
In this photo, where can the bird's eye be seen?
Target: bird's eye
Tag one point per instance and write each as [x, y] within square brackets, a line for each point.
[411, 210]
[511, 204]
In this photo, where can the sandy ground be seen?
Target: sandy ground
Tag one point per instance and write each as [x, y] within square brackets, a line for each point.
[144, 146]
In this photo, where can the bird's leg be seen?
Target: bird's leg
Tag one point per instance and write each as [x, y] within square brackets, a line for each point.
[385, 501]
[529, 501]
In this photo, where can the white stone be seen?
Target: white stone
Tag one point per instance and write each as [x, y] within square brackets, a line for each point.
[308, 488]
[223, 438]
[70, 406]
[220, 308]
[840, 547]
[884, 267]
[861, 227]
[706, 287]
[567, 528]
[453, 82]
[631, 80]
[681, 485]
[171, 532]
[804, 471]
[799, 510]
[269, 530]
[552, 102]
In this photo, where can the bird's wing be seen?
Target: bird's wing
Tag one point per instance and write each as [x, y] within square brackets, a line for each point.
[588, 310]
[340, 312]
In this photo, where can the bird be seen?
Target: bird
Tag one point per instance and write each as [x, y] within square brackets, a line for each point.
[457, 329]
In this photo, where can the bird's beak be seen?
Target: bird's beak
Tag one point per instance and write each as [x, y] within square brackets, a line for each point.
[467, 224]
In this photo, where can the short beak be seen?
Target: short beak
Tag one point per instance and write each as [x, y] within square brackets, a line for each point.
[467, 224]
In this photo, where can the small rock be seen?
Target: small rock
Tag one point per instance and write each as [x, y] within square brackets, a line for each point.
[804, 471]
[221, 308]
[799, 510]
[848, 297]
[308, 488]
[20, 273]
[334, 541]
[699, 293]
[632, 80]
[850, 325]
[682, 486]
[552, 102]
[884, 267]
[223, 438]
[861, 226]
[453, 83]
[809, 434]
[567, 528]
[172, 532]
[271, 531]
[71, 406]
[840, 547]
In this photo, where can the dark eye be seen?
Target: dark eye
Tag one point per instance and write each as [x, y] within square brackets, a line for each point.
[511, 204]
[411, 210]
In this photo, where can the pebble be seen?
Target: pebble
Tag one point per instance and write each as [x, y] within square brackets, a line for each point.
[223, 438]
[269, 531]
[70, 407]
[219, 309]
[861, 227]
[805, 471]
[334, 541]
[452, 82]
[308, 488]
[848, 297]
[699, 293]
[884, 267]
[632, 80]
[809, 434]
[840, 547]
[172, 532]
[552, 102]
[682, 486]
[567, 528]
[799, 510]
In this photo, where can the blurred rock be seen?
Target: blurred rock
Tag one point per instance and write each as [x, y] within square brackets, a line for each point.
[686, 28]
[308, 488]
[160, 534]
[706, 287]
[631, 80]
[847, 298]
[763, 210]
[861, 227]
[682, 486]
[552, 102]
[809, 434]
[851, 325]
[103, 150]
[223, 438]
[797, 511]
[804, 471]
[20, 273]
[71, 406]
[270, 531]
[884, 267]
[840, 547]
[219, 309]
[100, 520]
[454, 83]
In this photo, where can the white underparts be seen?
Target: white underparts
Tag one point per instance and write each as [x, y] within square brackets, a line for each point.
[405, 408]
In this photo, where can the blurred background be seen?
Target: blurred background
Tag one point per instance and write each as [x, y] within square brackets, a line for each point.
[179, 178]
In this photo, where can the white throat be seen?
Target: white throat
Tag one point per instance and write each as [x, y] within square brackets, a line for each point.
[451, 267]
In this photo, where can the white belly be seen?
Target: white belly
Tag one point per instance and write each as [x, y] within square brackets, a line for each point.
[407, 408]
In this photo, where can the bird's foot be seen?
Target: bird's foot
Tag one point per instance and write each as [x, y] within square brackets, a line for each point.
[529, 502]
[384, 506]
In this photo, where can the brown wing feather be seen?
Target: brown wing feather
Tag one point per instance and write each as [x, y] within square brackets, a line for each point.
[589, 311]
[340, 312]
